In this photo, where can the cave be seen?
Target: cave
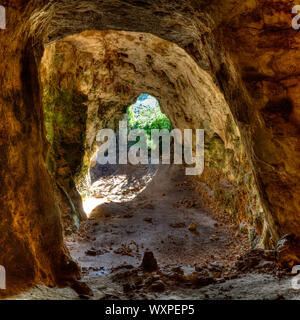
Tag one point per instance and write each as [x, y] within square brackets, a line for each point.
[113, 177]
[71, 69]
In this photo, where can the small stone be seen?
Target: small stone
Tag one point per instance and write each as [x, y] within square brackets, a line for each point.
[158, 286]
[156, 277]
[199, 268]
[178, 270]
[193, 226]
[178, 225]
[81, 288]
[91, 252]
[149, 263]
[128, 216]
[138, 281]
[149, 206]
[288, 251]
[127, 288]
[203, 281]
[147, 219]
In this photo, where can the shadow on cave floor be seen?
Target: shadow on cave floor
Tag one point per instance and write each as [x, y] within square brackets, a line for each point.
[117, 183]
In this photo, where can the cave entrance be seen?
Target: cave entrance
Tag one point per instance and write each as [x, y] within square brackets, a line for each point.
[89, 80]
[123, 182]
[132, 208]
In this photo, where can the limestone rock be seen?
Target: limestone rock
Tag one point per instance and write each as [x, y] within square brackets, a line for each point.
[158, 286]
[288, 251]
[193, 226]
[149, 263]
[256, 259]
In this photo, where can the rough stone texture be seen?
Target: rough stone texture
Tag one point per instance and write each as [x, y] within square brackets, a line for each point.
[149, 263]
[288, 251]
[247, 47]
[65, 120]
[265, 49]
[31, 241]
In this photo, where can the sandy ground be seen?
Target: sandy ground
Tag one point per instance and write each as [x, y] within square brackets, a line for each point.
[153, 208]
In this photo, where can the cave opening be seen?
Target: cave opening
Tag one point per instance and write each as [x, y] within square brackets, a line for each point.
[120, 182]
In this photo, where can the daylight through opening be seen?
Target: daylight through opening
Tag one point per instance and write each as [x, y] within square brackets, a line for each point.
[108, 182]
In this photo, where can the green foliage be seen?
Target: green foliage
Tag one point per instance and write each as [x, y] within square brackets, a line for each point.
[147, 117]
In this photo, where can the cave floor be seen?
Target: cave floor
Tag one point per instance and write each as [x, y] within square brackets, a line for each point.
[152, 208]
[158, 219]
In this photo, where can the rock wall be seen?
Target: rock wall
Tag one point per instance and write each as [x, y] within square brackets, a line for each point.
[32, 247]
[265, 49]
